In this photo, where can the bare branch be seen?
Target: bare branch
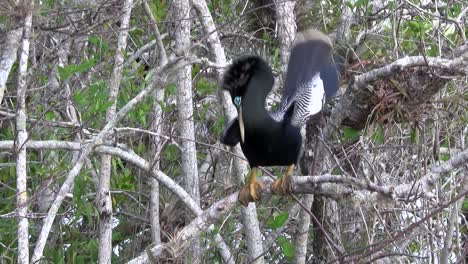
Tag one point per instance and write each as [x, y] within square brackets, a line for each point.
[22, 137]
[157, 34]
[103, 196]
[457, 65]
[8, 57]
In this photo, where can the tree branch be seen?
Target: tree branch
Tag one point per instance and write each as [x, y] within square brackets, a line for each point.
[22, 137]
[457, 65]
[103, 194]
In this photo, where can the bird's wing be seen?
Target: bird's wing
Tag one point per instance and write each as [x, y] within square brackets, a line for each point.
[231, 134]
[310, 98]
[309, 79]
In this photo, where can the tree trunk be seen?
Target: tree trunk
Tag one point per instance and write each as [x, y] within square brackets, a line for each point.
[20, 142]
[156, 126]
[9, 46]
[286, 23]
[157, 145]
[181, 32]
[104, 201]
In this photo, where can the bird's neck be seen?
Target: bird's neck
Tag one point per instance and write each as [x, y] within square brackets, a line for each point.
[253, 108]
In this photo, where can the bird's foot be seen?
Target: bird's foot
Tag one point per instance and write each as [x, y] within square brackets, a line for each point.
[281, 186]
[250, 193]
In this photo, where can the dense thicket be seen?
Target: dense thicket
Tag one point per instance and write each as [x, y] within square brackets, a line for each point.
[110, 109]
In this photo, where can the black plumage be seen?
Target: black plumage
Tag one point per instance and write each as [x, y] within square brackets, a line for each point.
[274, 138]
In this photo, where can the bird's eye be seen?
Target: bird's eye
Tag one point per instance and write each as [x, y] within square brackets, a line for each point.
[237, 100]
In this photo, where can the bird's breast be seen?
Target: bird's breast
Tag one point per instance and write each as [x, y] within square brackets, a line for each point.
[272, 147]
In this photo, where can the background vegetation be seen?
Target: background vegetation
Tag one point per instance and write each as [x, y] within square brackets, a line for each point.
[81, 80]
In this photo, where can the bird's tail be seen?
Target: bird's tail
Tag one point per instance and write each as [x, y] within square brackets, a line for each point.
[311, 52]
[312, 35]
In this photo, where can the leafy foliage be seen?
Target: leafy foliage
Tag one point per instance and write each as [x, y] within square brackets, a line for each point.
[286, 247]
[67, 71]
[278, 220]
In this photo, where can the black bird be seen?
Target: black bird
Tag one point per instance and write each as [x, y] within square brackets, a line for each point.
[274, 138]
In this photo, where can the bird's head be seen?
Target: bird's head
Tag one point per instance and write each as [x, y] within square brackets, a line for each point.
[237, 78]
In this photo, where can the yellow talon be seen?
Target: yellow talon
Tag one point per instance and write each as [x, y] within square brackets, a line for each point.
[251, 192]
[281, 186]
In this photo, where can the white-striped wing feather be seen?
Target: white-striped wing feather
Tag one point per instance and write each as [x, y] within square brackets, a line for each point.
[308, 100]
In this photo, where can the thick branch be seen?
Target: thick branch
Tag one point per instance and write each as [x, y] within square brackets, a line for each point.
[8, 56]
[329, 185]
[21, 138]
[103, 194]
[457, 65]
[333, 186]
[202, 223]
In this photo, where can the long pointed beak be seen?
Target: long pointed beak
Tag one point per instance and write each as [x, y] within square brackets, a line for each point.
[241, 123]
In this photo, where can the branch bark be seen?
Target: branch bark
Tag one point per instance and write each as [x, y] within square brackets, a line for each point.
[444, 256]
[286, 23]
[21, 138]
[180, 29]
[104, 200]
[156, 126]
[334, 186]
[8, 55]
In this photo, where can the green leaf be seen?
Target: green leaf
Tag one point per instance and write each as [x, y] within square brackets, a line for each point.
[215, 230]
[95, 40]
[65, 72]
[101, 46]
[119, 162]
[171, 152]
[50, 116]
[350, 134]
[195, 70]
[142, 116]
[278, 221]
[205, 87]
[286, 247]
[465, 205]
[114, 166]
[378, 136]
[170, 90]
[78, 97]
[414, 135]
[218, 126]
[414, 247]
[444, 157]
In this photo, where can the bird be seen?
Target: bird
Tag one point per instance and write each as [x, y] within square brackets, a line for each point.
[273, 138]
